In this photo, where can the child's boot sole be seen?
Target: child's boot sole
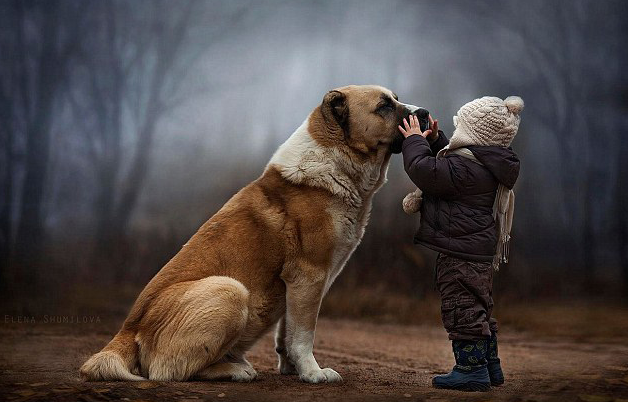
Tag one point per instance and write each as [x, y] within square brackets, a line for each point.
[471, 386]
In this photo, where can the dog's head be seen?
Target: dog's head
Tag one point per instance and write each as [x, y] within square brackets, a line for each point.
[368, 116]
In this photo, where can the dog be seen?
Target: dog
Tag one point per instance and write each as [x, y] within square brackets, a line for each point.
[267, 257]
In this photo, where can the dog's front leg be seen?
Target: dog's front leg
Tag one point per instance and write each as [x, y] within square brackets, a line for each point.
[304, 292]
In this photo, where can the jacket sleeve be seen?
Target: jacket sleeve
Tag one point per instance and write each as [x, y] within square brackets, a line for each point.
[439, 143]
[434, 176]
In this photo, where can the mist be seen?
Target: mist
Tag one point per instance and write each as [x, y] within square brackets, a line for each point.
[125, 125]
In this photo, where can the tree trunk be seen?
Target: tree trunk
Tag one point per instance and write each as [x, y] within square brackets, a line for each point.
[105, 209]
[623, 251]
[133, 186]
[588, 245]
[621, 211]
[30, 231]
[6, 208]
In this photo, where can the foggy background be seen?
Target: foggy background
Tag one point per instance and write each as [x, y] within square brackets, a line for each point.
[124, 125]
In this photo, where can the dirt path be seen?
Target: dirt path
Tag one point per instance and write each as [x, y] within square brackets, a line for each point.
[39, 361]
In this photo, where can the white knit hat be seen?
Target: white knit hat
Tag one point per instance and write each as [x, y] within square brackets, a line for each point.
[487, 121]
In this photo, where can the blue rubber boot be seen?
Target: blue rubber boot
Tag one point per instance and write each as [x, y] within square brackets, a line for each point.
[470, 372]
[494, 367]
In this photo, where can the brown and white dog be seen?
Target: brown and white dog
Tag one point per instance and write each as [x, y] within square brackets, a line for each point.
[267, 257]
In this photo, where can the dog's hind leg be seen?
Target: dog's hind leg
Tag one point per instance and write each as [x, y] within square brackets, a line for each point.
[286, 367]
[192, 326]
[234, 371]
[233, 366]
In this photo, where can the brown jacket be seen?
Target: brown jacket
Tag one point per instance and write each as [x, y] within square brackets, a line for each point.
[458, 195]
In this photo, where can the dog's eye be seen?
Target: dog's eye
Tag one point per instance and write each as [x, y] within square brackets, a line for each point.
[386, 107]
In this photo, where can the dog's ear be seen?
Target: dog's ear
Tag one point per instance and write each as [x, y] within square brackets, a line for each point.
[335, 107]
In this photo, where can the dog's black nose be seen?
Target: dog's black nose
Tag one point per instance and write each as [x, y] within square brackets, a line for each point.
[421, 113]
[423, 116]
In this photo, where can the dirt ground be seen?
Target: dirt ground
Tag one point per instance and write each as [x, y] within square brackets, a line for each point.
[39, 359]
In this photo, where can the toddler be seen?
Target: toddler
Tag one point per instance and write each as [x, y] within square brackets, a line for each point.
[466, 213]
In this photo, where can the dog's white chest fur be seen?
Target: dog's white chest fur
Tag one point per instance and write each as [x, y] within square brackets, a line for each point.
[348, 231]
[302, 160]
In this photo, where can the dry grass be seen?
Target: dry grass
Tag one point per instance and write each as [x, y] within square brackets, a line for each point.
[380, 306]
[578, 320]
[573, 319]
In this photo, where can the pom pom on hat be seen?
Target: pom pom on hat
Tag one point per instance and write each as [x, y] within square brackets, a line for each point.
[412, 202]
[514, 104]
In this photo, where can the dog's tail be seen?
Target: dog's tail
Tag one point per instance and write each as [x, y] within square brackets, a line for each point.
[115, 362]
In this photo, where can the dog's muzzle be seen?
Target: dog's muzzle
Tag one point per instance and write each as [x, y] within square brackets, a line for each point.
[424, 124]
[424, 118]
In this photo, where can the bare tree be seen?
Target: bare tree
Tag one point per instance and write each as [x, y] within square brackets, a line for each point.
[39, 46]
[561, 49]
[620, 211]
[133, 66]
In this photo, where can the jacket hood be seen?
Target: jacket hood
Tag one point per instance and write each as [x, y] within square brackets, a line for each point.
[502, 162]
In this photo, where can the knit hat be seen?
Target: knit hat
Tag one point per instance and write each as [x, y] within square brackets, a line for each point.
[487, 121]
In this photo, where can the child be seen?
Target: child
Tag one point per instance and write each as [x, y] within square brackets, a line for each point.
[466, 213]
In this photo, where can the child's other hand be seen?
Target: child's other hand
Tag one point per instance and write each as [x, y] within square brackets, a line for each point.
[414, 128]
[433, 131]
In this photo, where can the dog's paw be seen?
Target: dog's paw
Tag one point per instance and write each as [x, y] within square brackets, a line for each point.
[286, 367]
[245, 374]
[320, 375]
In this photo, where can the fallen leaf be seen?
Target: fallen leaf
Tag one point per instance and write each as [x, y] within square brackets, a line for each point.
[221, 395]
[38, 384]
[25, 392]
[407, 395]
[61, 390]
[147, 385]
[596, 398]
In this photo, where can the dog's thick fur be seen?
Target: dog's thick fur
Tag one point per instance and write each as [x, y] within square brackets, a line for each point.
[268, 256]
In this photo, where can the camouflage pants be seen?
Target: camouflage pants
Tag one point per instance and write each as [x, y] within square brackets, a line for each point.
[466, 290]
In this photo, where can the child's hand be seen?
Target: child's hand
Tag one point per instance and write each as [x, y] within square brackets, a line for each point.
[433, 131]
[414, 128]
